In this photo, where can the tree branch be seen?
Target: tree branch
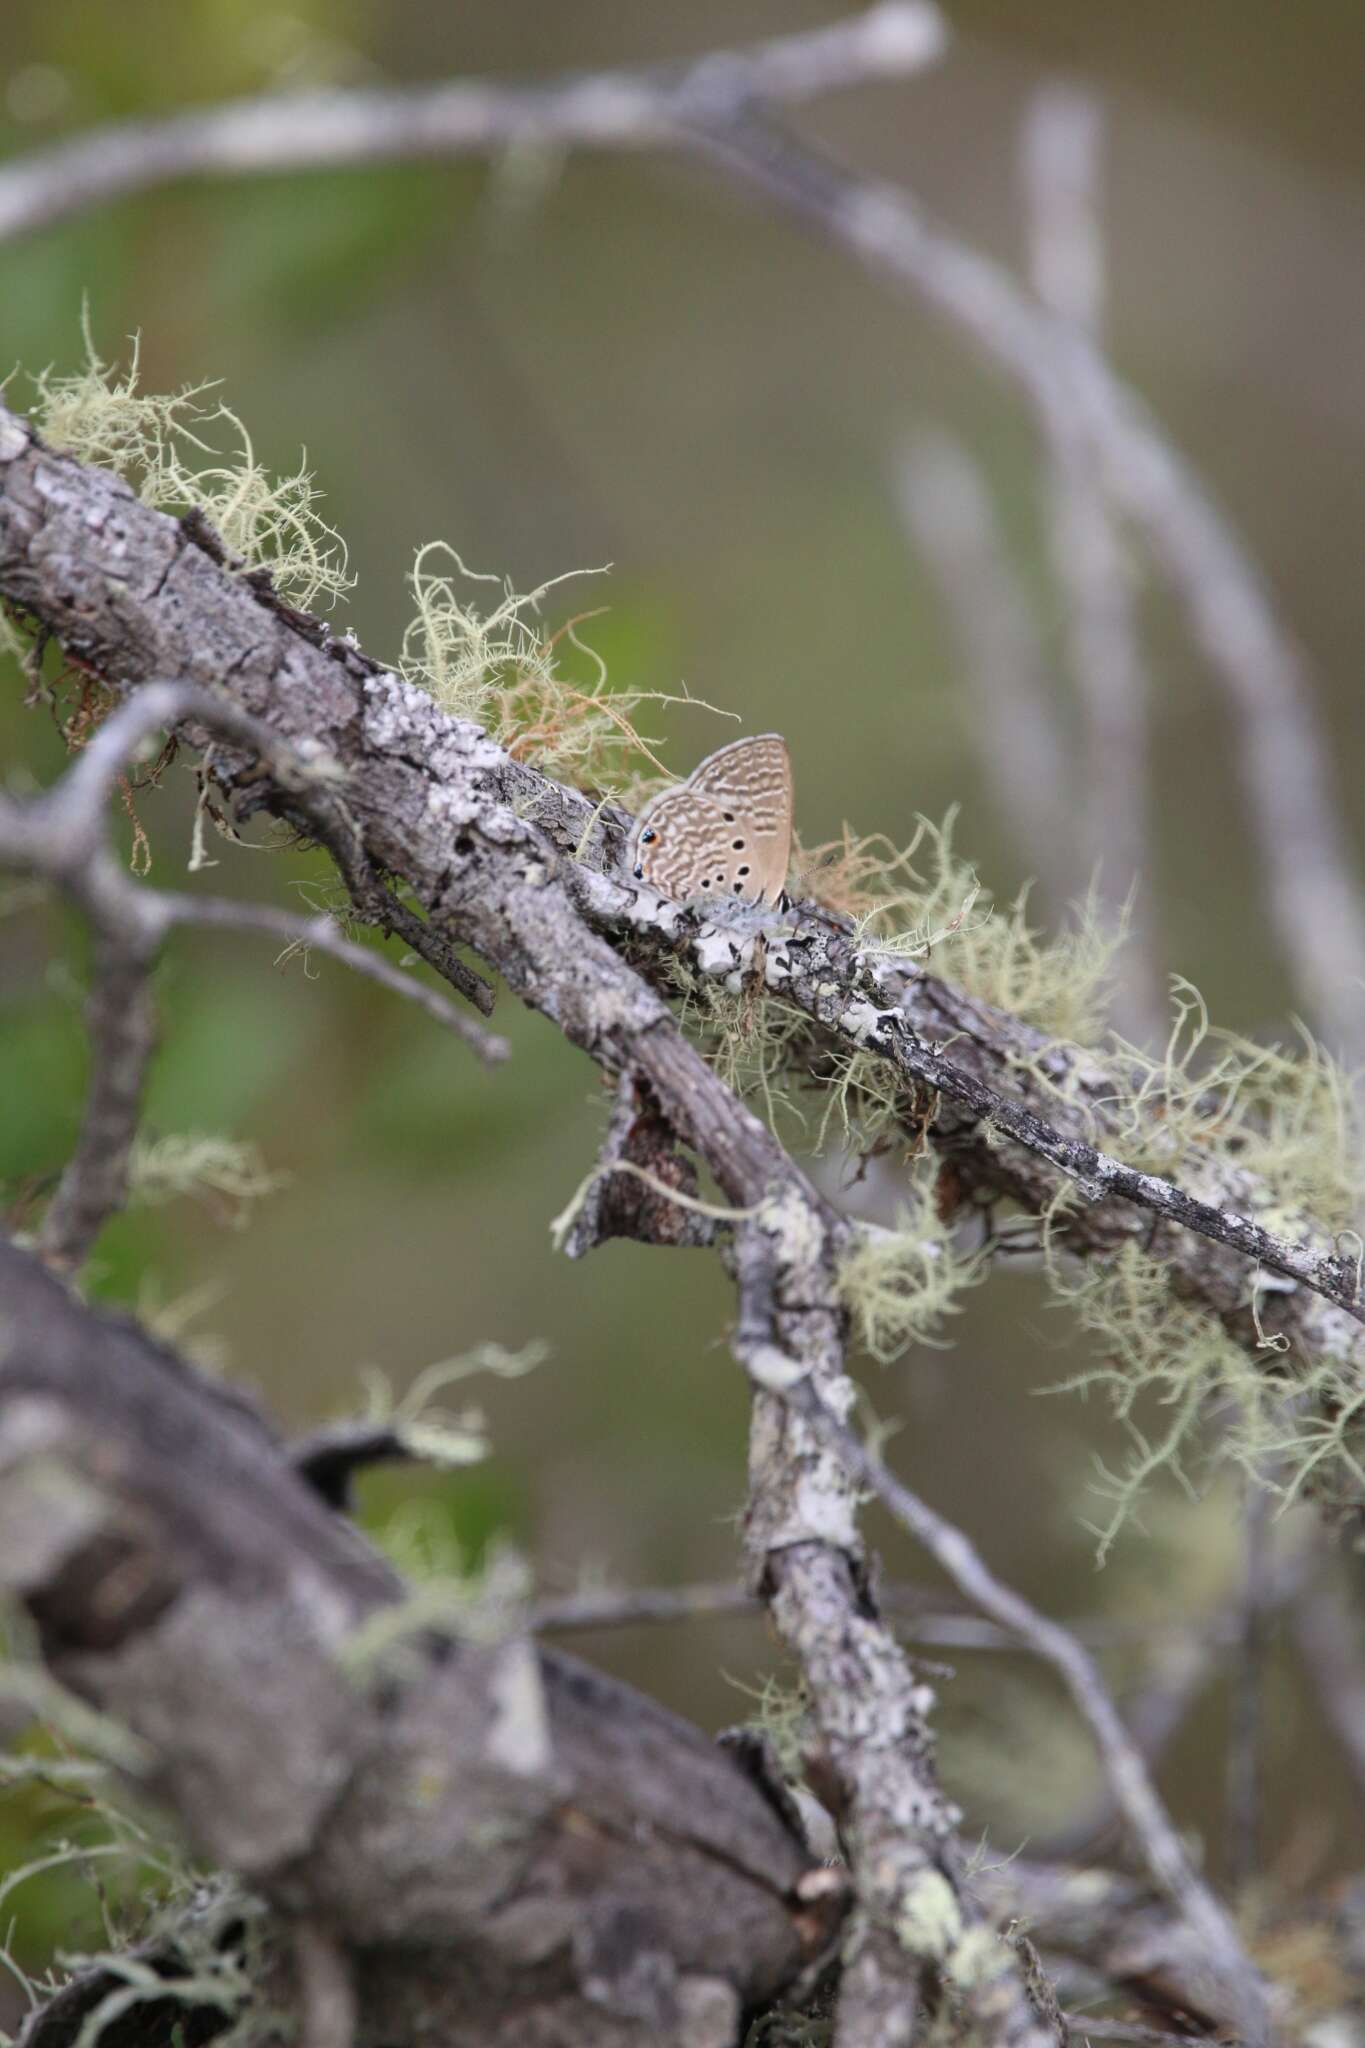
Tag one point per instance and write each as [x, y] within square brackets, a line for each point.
[1132, 1786]
[646, 108]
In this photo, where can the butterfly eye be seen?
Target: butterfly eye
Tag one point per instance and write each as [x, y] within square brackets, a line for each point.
[646, 837]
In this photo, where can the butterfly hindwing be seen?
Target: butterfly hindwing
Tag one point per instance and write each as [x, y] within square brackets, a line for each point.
[726, 831]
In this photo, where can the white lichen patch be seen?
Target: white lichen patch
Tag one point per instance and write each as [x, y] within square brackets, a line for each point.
[795, 1228]
[519, 1733]
[14, 438]
[862, 1020]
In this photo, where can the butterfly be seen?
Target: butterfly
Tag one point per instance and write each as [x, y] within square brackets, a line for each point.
[726, 831]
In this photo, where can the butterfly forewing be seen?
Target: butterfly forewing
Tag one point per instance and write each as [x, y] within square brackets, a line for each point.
[726, 831]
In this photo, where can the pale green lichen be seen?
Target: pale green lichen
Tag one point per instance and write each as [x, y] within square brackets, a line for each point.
[1173, 1361]
[432, 1433]
[227, 1174]
[924, 903]
[782, 1715]
[499, 668]
[929, 1923]
[1285, 1115]
[169, 447]
[752, 1039]
[900, 1284]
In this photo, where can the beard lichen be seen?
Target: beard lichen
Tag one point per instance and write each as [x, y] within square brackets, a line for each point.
[500, 669]
[900, 1284]
[168, 448]
[926, 904]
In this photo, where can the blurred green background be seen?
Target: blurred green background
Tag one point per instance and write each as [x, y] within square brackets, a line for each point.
[621, 361]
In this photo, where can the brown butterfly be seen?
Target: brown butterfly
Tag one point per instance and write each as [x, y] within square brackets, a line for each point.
[726, 831]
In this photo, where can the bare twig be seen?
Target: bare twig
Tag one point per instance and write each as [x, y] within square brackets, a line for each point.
[1248, 1683]
[645, 108]
[1063, 132]
[953, 1550]
[326, 1989]
[321, 933]
[1014, 727]
[1083, 2028]
[1287, 779]
[918, 1612]
[60, 835]
[1181, 1667]
[94, 1185]
[1331, 1640]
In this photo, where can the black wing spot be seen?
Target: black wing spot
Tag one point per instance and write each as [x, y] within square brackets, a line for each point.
[739, 888]
[729, 817]
[738, 845]
[706, 881]
[744, 870]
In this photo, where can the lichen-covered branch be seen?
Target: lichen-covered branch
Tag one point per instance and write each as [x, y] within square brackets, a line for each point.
[521, 870]
[438, 805]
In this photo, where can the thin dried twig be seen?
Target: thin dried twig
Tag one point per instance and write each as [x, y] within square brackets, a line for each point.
[1014, 726]
[1060, 163]
[1248, 1685]
[614, 109]
[61, 836]
[1331, 1641]
[1152, 1831]
[1288, 783]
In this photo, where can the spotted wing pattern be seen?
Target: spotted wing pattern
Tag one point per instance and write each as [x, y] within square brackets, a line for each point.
[726, 831]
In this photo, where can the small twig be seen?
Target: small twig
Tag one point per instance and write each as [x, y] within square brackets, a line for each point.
[321, 932]
[1014, 727]
[1060, 160]
[621, 109]
[1134, 1792]
[62, 836]
[1331, 1641]
[94, 1184]
[1082, 2028]
[917, 1611]
[326, 1989]
[1248, 1683]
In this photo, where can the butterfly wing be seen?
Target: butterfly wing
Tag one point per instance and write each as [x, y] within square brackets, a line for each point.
[751, 780]
[726, 831]
[678, 845]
